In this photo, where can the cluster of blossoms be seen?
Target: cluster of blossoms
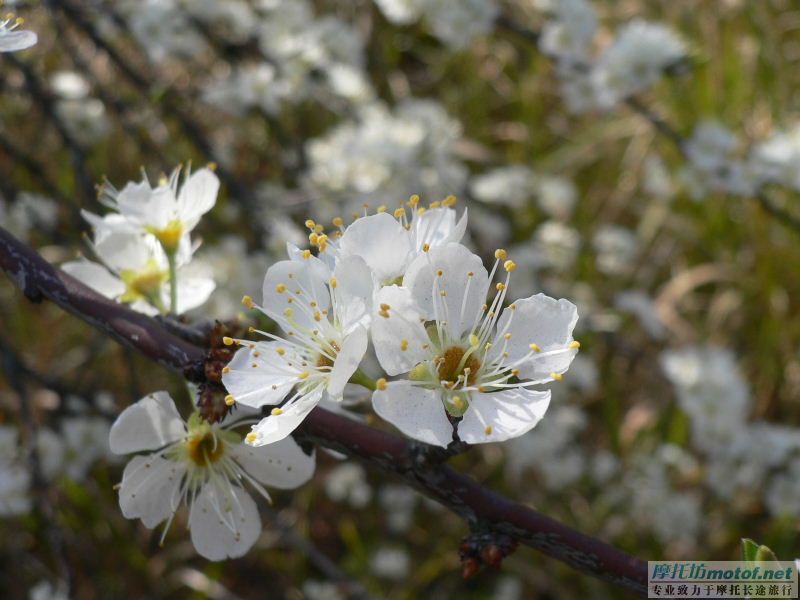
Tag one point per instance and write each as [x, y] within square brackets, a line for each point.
[144, 246]
[464, 367]
[639, 55]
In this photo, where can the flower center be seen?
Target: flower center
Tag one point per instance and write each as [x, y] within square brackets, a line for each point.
[204, 449]
[169, 236]
[325, 360]
[454, 364]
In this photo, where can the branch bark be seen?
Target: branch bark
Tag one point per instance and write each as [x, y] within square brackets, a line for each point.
[479, 506]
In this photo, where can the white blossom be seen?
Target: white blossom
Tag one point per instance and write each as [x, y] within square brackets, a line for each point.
[204, 465]
[324, 315]
[12, 38]
[469, 361]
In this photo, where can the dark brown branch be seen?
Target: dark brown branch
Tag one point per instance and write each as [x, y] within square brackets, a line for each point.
[480, 507]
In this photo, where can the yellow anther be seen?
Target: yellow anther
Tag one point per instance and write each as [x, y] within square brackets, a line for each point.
[381, 208]
[310, 224]
[227, 341]
[436, 204]
[212, 166]
[247, 301]
[470, 274]
[557, 376]
[488, 430]
[474, 340]
[380, 384]
[413, 201]
[312, 238]
[403, 345]
[229, 400]
[304, 375]
[449, 201]
[251, 437]
[288, 312]
[509, 265]
[306, 253]
[574, 345]
[426, 247]
[276, 411]
[440, 272]
[226, 370]
[515, 372]
[317, 315]
[385, 307]
[19, 21]
[334, 282]
[319, 228]
[500, 254]
[458, 402]
[399, 212]
[500, 287]
[280, 351]
[280, 288]
[421, 210]
[535, 347]
[507, 336]
[337, 221]
[513, 307]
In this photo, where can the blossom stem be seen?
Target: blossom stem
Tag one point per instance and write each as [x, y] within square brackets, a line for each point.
[172, 258]
[361, 378]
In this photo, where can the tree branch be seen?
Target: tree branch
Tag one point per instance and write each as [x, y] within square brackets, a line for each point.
[480, 507]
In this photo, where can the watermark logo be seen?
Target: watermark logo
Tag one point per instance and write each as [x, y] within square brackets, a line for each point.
[721, 579]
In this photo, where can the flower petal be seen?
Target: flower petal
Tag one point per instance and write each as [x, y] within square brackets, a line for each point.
[149, 489]
[354, 291]
[381, 241]
[403, 323]
[499, 416]
[540, 320]
[224, 522]
[150, 423]
[281, 465]
[276, 427]
[354, 346]
[437, 227]
[415, 411]
[96, 277]
[294, 285]
[269, 381]
[197, 196]
[464, 294]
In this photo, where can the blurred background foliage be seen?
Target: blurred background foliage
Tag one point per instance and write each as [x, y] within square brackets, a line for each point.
[720, 271]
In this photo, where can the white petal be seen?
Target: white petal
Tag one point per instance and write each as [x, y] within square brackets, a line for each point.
[150, 423]
[125, 249]
[197, 196]
[464, 294]
[540, 320]
[355, 288]
[224, 522]
[268, 382]
[192, 292]
[276, 427]
[381, 241]
[437, 227]
[302, 283]
[96, 277]
[503, 415]
[17, 40]
[354, 346]
[415, 411]
[281, 465]
[149, 489]
[403, 323]
[145, 206]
